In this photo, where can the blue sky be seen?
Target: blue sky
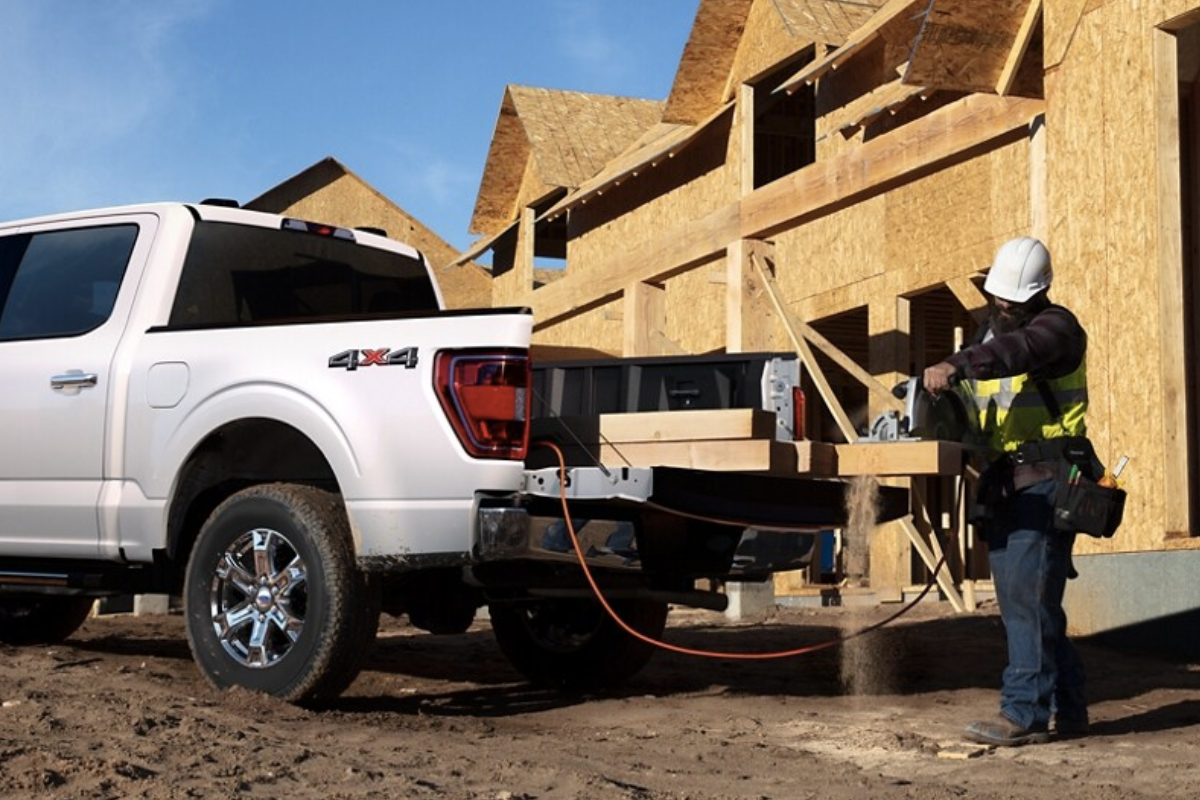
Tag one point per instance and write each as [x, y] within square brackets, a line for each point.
[109, 102]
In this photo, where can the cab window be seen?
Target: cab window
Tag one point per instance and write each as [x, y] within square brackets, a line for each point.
[61, 283]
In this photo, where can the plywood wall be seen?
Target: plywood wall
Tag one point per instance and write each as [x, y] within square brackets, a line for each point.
[1102, 200]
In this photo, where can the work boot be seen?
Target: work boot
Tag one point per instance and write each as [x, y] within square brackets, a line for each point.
[1068, 728]
[1003, 732]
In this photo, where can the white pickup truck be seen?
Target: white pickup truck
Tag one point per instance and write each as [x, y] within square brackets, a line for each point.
[263, 415]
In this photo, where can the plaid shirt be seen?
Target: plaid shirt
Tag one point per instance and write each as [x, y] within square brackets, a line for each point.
[1050, 346]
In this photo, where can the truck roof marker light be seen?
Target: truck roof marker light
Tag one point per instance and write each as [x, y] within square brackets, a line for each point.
[317, 228]
[486, 397]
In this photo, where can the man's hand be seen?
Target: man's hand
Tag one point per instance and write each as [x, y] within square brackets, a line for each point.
[939, 377]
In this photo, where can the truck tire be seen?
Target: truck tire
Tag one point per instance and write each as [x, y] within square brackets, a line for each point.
[573, 643]
[41, 619]
[274, 600]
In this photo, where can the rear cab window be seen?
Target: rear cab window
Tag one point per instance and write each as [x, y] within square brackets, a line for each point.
[61, 283]
[237, 275]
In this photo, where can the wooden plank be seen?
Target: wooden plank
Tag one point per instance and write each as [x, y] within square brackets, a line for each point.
[899, 458]
[815, 459]
[936, 140]
[660, 426]
[780, 459]
[1009, 73]
[1176, 428]
[734, 455]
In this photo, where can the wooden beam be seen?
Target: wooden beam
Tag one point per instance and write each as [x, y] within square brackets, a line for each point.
[931, 559]
[1017, 54]
[950, 134]
[745, 132]
[749, 318]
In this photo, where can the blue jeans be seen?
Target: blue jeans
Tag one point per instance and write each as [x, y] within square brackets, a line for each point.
[1030, 561]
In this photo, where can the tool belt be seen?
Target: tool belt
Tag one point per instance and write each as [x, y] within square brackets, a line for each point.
[1081, 504]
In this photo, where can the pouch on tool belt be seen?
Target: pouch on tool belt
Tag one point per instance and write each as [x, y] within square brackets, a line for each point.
[1084, 506]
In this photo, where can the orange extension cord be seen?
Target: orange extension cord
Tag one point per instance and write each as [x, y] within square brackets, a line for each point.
[562, 467]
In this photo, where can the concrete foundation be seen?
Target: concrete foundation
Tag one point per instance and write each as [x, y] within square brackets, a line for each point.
[1150, 601]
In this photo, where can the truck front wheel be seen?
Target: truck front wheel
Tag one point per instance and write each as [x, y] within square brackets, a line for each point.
[573, 643]
[274, 600]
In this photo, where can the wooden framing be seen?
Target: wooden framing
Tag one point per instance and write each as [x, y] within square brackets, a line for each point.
[1176, 423]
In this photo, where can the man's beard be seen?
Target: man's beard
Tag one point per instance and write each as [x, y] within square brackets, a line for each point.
[1011, 319]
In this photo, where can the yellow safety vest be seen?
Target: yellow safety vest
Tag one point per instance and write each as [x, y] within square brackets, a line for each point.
[1013, 411]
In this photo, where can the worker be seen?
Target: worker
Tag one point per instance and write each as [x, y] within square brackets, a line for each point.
[1027, 373]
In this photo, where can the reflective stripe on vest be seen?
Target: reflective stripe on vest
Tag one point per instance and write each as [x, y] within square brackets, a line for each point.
[1012, 411]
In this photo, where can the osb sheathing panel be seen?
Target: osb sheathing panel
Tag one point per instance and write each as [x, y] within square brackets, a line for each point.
[1103, 222]
[950, 223]
[832, 252]
[696, 308]
[767, 42]
[707, 60]
[347, 202]
[827, 21]
[939, 227]
[598, 329]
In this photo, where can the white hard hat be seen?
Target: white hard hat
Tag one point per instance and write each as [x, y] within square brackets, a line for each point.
[1020, 270]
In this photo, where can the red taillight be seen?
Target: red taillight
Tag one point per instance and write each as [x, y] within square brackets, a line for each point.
[486, 397]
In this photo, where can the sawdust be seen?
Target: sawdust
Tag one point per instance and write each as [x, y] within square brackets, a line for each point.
[867, 667]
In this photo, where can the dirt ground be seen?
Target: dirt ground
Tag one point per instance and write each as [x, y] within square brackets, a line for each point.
[119, 711]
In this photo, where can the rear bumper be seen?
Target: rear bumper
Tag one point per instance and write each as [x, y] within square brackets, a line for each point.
[515, 534]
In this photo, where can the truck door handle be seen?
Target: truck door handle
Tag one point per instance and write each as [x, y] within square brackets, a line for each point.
[74, 378]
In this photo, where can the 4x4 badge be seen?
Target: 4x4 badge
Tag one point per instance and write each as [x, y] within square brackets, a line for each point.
[383, 357]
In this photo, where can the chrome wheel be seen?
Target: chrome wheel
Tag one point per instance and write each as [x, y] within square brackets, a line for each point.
[259, 598]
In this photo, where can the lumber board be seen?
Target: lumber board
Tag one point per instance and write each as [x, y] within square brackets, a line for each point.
[660, 426]
[899, 458]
